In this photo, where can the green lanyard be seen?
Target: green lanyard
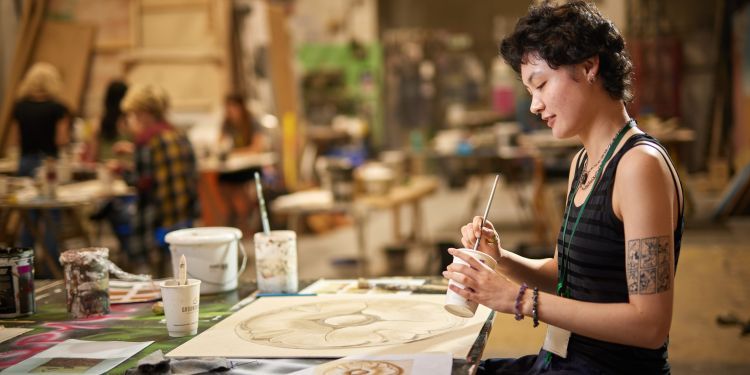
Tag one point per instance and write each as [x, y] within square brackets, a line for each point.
[562, 282]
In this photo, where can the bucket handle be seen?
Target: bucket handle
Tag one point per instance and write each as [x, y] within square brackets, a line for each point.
[239, 272]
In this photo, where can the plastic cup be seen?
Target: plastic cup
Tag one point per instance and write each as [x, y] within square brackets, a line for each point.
[454, 303]
[276, 261]
[181, 306]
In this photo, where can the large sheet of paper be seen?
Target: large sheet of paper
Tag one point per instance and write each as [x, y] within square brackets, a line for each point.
[334, 326]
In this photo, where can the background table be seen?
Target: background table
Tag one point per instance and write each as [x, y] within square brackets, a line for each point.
[214, 207]
[69, 202]
[411, 194]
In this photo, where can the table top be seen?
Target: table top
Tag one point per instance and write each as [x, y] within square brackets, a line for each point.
[322, 200]
[8, 165]
[136, 322]
[543, 139]
[237, 162]
[69, 195]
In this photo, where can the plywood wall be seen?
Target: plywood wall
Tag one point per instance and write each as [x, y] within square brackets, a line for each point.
[178, 44]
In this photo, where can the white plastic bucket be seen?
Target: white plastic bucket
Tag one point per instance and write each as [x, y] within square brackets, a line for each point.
[211, 254]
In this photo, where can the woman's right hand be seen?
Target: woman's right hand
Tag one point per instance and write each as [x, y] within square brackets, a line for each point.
[490, 240]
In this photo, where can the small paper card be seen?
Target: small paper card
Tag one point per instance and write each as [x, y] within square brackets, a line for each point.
[79, 357]
[133, 291]
[9, 333]
[405, 364]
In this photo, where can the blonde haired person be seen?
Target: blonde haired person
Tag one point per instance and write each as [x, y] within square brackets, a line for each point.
[148, 99]
[43, 120]
[43, 128]
[42, 79]
[164, 169]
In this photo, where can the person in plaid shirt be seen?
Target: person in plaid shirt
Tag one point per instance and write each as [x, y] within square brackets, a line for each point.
[165, 174]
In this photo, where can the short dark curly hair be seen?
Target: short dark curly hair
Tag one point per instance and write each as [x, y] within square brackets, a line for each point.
[569, 34]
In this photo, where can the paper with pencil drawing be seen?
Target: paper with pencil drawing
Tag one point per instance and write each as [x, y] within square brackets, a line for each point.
[333, 326]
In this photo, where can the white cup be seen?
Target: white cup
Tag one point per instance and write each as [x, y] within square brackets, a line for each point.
[181, 306]
[454, 303]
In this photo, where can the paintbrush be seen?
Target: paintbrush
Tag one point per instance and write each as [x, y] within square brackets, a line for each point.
[486, 211]
[262, 203]
[182, 271]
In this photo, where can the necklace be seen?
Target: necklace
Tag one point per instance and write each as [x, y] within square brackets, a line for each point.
[585, 181]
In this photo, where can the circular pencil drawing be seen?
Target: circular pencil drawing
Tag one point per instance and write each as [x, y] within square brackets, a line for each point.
[348, 324]
[365, 368]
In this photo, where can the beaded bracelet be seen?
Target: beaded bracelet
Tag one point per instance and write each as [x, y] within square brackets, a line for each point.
[535, 306]
[517, 308]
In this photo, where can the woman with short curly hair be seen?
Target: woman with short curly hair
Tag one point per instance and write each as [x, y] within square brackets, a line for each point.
[607, 292]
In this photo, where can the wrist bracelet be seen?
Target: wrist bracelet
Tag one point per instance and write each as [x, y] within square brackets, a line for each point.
[535, 306]
[517, 309]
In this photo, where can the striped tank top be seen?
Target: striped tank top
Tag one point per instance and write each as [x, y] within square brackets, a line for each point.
[597, 267]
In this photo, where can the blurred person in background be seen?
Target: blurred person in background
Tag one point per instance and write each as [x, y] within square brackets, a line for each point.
[43, 130]
[164, 170]
[118, 211]
[112, 125]
[43, 120]
[240, 134]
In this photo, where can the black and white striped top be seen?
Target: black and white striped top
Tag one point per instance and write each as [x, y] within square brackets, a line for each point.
[597, 267]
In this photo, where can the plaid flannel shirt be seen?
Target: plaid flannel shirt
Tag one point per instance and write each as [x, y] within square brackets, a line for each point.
[166, 180]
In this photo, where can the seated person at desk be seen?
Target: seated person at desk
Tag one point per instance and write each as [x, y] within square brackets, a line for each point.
[111, 130]
[607, 293]
[43, 128]
[112, 125]
[239, 134]
[165, 174]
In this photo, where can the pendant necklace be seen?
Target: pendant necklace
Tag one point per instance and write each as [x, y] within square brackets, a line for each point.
[585, 181]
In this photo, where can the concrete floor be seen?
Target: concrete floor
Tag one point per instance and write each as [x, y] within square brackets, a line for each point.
[713, 275]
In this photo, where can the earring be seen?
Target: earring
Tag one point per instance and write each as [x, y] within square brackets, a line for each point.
[592, 79]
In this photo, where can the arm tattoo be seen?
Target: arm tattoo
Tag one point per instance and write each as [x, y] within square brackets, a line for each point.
[647, 265]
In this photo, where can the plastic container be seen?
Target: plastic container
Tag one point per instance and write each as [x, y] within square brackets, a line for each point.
[16, 282]
[211, 254]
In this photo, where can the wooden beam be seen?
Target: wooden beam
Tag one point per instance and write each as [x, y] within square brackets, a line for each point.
[281, 57]
[28, 30]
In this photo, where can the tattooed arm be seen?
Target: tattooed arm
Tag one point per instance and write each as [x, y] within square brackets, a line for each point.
[645, 200]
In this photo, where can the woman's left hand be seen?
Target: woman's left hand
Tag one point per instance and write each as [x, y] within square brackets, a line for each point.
[483, 285]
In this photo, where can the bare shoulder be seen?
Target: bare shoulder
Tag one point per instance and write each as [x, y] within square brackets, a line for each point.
[643, 183]
[643, 163]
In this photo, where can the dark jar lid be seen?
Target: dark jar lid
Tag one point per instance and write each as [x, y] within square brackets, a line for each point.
[16, 252]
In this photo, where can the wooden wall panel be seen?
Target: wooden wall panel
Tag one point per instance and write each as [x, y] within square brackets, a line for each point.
[68, 46]
[180, 28]
[111, 17]
[182, 46]
[192, 87]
